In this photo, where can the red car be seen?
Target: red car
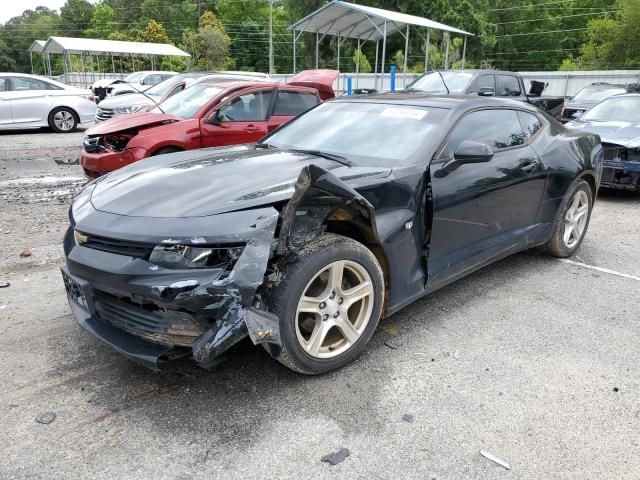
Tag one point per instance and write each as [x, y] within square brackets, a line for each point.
[208, 114]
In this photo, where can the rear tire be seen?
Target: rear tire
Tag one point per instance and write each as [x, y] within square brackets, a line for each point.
[571, 221]
[343, 289]
[63, 120]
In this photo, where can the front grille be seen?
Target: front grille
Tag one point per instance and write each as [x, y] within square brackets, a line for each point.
[103, 114]
[613, 152]
[119, 247]
[147, 320]
[570, 112]
[92, 145]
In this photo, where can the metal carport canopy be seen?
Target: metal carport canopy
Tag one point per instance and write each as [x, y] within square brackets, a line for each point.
[348, 20]
[363, 22]
[93, 46]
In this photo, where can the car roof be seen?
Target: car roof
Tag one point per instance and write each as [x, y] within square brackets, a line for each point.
[236, 84]
[604, 86]
[475, 70]
[465, 102]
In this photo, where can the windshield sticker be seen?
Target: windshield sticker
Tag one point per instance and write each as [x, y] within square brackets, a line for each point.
[412, 113]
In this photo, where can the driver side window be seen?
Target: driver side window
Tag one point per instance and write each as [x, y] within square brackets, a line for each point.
[250, 107]
[499, 129]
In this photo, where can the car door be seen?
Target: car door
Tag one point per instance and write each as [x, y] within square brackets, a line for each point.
[243, 118]
[6, 117]
[289, 104]
[483, 210]
[29, 100]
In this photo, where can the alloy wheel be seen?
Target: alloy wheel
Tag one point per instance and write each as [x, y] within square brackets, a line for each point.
[575, 220]
[64, 120]
[334, 309]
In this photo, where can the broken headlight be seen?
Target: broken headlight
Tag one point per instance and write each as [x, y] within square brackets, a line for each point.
[184, 256]
[130, 109]
[117, 142]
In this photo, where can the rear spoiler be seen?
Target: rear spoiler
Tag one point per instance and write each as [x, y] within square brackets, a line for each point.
[321, 80]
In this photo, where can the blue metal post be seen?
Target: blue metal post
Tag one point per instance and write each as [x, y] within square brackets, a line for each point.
[349, 86]
[393, 78]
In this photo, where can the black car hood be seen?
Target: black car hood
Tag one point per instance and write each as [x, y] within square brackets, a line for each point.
[625, 134]
[205, 182]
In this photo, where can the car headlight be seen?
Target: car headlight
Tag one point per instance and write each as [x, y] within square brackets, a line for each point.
[130, 109]
[185, 256]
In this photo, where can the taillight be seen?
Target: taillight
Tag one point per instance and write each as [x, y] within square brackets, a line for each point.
[117, 142]
[91, 98]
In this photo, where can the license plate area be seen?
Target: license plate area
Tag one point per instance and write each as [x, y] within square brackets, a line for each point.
[75, 291]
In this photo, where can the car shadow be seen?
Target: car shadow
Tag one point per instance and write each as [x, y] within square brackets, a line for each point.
[39, 130]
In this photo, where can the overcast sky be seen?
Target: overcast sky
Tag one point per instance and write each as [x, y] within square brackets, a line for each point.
[13, 8]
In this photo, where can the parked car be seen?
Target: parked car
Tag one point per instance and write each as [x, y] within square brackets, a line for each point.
[135, 82]
[488, 83]
[588, 98]
[306, 239]
[617, 121]
[212, 113]
[136, 102]
[29, 101]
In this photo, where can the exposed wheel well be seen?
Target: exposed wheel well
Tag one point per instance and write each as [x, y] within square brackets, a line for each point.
[167, 149]
[362, 234]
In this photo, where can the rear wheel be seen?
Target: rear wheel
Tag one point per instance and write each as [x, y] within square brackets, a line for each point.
[571, 222]
[329, 303]
[63, 120]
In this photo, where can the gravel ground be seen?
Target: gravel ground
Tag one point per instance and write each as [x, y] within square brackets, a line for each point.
[531, 359]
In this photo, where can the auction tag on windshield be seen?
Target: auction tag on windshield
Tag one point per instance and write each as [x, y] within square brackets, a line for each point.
[412, 113]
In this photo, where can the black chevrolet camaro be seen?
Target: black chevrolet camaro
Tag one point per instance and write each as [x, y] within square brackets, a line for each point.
[304, 241]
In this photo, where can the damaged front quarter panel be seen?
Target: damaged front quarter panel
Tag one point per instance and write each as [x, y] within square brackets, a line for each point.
[232, 294]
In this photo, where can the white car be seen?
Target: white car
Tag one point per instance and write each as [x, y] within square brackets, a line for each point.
[29, 101]
[135, 82]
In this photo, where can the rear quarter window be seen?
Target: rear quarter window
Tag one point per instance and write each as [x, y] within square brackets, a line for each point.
[291, 103]
[508, 86]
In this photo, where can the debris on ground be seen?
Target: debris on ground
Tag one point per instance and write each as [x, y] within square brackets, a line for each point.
[336, 457]
[391, 330]
[456, 355]
[494, 459]
[5, 284]
[407, 417]
[67, 161]
[393, 343]
[25, 253]
[616, 389]
[46, 418]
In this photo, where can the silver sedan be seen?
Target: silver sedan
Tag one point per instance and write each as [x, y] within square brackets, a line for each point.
[29, 101]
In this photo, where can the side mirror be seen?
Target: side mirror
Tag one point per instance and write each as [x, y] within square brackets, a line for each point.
[486, 92]
[215, 119]
[469, 152]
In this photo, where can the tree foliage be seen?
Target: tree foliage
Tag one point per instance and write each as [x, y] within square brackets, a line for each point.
[507, 34]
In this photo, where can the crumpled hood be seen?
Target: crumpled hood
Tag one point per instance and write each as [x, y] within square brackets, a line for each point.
[212, 181]
[127, 100]
[621, 133]
[127, 122]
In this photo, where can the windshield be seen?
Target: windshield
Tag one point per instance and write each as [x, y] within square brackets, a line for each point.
[363, 133]
[188, 102]
[134, 77]
[162, 88]
[432, 82]
[595, 94]
[619, 109]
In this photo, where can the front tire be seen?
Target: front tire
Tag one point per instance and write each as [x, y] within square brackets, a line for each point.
[63, 120]
[328, 302]
[571, 222]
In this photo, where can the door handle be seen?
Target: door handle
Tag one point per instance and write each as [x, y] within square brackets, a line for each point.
[529, 165]
[251, 128]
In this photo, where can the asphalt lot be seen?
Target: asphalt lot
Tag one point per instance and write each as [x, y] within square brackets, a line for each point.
[531, 359]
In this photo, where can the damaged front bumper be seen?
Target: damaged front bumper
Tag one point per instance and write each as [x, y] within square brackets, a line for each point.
[621, 175]
[153, 314]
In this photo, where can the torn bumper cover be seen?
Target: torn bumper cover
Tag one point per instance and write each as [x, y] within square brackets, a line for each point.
[151, 314]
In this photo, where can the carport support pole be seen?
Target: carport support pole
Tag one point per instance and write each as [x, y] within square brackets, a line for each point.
[406, 54]
[317, 48]
[446, 54]
[464, 50]
[358, 65]
[384, 51]
[49, 64]
[93, 79]
[426, 52]
[294, 51]
[376, 69]
[338, 62]
[31, 60]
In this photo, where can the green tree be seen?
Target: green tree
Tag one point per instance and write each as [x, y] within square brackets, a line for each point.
[102, 22]
[365, 66]
[76, 16]
[154, 32]
[213, 43]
